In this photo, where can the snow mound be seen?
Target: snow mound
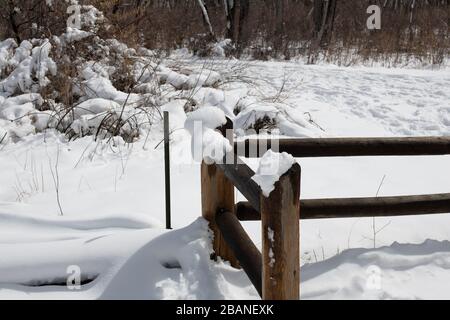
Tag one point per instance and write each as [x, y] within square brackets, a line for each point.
[135, 259]
[262, 116]
[400, 271]
[115, 262]
[188, 80]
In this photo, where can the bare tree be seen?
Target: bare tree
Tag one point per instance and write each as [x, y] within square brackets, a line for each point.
[206, 19]
[324, 16]
[236, 12]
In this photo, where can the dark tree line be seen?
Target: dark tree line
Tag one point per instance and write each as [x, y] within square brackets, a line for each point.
[256, 27]
[280, 23]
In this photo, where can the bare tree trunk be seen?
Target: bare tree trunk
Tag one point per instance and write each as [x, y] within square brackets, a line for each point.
[206, 19]
[13, 21]
[324, 15]
[318, 16]
[279, 28]
[228, 5]
[236, 12]
[243, 14]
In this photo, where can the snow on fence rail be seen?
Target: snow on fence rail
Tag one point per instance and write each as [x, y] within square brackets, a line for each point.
[275, 272]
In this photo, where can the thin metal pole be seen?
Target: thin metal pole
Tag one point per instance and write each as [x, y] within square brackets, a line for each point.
[167, 168]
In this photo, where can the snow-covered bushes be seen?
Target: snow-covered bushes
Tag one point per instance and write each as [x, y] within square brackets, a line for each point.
[99, 87]
[82, 84]
[62, 73]
[86, 82]
[30, 63]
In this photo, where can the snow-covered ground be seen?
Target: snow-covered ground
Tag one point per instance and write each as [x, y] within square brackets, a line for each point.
[112, 198]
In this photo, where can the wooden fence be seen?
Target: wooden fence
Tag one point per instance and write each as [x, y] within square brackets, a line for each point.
[275, 272]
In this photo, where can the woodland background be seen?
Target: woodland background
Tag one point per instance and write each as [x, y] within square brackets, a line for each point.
[261, 29]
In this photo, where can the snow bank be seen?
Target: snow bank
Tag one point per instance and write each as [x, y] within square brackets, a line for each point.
[98, 85]
[272, 167]
[226, 100]
[53, 244]
[286, 120]
[135, 259]
[198, 79]
[95, 106]
[209, 118]
[177, 80]
[399, 271]
[118, 260]
[205, 78]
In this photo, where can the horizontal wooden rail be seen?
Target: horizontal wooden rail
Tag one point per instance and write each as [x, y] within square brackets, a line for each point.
[240, 174]
[243, 247]
[347, 147]
[361, 207]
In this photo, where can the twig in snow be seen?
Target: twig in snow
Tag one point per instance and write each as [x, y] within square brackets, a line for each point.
[311, 120]
[159, 143]
[3, 138]
[376, 231]
[55, 176]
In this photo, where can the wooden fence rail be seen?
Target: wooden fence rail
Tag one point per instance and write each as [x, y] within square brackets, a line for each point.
[275, 272]
[246, 252]
[240, 175]
[346, 147]
[360, 207]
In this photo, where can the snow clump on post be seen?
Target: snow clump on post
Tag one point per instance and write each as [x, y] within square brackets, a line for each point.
[272, 166]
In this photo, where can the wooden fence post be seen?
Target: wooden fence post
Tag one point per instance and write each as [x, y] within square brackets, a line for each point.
[218, 194]
[281, 238]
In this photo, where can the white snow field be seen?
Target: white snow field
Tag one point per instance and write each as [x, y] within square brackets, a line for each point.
[112, 196]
